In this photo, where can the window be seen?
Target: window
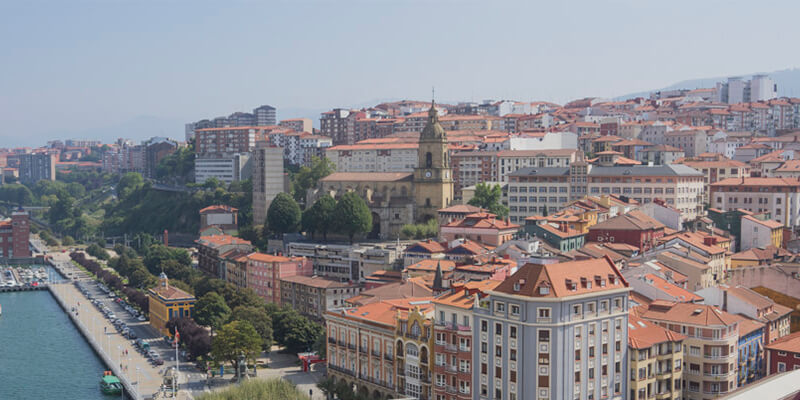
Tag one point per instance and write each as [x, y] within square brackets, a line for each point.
[513, 332]
[500, 307]
[498, 329]
[512, 355]
[544, 313]
[514, 310]
[484, 326]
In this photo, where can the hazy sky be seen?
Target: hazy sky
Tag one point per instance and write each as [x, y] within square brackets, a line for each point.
[79, 66]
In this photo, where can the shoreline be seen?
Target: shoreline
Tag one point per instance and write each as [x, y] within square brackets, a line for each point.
[128, 389]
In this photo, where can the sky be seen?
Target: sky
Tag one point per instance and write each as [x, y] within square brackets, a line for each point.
[102, 68]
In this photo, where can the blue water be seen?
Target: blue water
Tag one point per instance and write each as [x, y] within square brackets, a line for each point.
[42, 354]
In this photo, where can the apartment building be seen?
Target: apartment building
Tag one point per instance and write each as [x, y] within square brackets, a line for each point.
[692, 141]
[715, 171]
[215, 142]
[313, 296]
[556, 331]
[267, 177]
[374, 157]
[345, 262]
[783, 355]
[265, 271]
[777, 196]
[537, 191]
[15, 236]
[711, 345]
[453, 350]
[512, 160]
[212, 249]
[473, 167]
[656, 361]
[37, 167]
[334, 124]
[361, 346]
[298, 124]
[482, 227]
[744, 301]
[232, 168]
[265, 115]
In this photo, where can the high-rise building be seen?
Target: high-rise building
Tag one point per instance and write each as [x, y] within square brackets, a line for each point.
[14, 236]
[264, 115]
[556, 331]
[736, 90]
[268, 180]
[37, 167]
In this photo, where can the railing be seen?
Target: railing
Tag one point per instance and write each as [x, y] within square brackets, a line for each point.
[341, 369]
[376, 353]
[451, 390]
[388, 357]
[450, 348]
[374, 380]
[718, 356]
[363, 349]
[351, 346]
[331, 340]
[450, 368]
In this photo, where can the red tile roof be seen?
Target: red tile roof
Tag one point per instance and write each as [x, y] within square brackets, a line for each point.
[564, 279]
[643, 334]
[789, 343]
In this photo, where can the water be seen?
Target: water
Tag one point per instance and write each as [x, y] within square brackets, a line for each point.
[42, 354]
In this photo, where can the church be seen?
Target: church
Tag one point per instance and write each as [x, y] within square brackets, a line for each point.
[400, 198]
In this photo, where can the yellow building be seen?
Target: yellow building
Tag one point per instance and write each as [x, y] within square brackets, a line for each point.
[168, 302]
[656, 356]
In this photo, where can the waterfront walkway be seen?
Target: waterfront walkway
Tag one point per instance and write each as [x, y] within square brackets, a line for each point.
[141, 379]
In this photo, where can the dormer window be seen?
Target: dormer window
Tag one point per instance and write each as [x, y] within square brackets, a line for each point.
[516, 286]
[543, 290]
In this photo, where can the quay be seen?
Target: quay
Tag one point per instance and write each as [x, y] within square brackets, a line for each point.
[109, 345]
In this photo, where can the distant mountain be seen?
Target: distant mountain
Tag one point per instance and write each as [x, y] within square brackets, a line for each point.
[788, 81]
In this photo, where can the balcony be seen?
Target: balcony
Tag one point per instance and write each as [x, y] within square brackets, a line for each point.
[663, 374]
[719, 356]
[341, 369]
[375, 381]
[388, 357]
[451, 368]
[363, 349]
[453, 327]
[451, 389]
[351, 346]
[331, 340]
[719, 376]
[450, 348]
[376, 353]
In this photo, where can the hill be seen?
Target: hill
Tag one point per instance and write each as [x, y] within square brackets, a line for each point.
[788, 81]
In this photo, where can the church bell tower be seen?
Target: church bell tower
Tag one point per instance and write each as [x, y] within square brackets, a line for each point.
[433, 178]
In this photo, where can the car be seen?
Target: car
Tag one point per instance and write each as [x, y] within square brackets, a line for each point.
[158, 361]
[131, 335]
[112, 316]
[141, 318]
[152, 354]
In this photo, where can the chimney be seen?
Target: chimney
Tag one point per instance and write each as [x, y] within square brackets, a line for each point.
[724, 300]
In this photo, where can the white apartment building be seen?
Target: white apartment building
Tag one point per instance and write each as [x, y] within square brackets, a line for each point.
[778, 196]
[380, 157]
[512, 160]
[225, 169]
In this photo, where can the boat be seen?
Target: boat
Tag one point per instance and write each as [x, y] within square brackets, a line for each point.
[1, 309]
[110, 384]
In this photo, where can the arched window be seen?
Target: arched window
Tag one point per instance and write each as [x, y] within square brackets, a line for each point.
[428, 159]
[412, 350]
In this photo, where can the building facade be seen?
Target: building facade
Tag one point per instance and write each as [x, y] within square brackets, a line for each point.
[167, 302]
[313, 296]
[555, 331]
[268, 179]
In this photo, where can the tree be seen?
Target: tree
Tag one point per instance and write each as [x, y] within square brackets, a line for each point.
[211, 310]
[489, 197]
[234, 339]
[95, 250]
[129, 183]
[283, 214]
[319, 217]
[260, 320]
[307, 177]
[294, 331]
[67, 241]
[351, 215]
[141, 279]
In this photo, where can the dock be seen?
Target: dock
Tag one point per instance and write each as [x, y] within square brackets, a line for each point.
[23, 288]
[147, 378]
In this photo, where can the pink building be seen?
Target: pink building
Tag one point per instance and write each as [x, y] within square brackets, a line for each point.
[264, 273]
[481, 227]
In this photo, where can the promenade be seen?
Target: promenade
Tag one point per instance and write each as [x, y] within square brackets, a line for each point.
[141, 379]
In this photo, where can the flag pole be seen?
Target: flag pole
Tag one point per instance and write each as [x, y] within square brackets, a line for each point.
[177, 363]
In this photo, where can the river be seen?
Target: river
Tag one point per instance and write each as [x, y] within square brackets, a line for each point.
[42, 354]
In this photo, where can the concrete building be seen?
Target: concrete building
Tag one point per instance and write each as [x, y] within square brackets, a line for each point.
[235, 167]
[736, 90]
[264, 115]
[473, 167]
[537, 191]
[313, 296]
[374, 157]
[555, 331]
[298, 124]
[481, 227]
[212, 250]
[712, 336]
[268, 179]
[780, 197]
[36, 167]
[510, 161]
[223, 216]
[743, 301]
[656, 361]
[216, 142]
[760, 232]
[345, 262]
[717, 170]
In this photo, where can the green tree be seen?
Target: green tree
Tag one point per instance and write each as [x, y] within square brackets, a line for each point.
[129, 183]
[67, 241]
[140, 279]
[308, 177]
[211, 310]
[283, 214]
[319, 217]
[351, 215]
[96, 251]
[235, 338]
[489, 197]
[260, 320]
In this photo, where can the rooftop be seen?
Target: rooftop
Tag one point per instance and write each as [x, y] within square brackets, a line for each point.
[565, 279]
